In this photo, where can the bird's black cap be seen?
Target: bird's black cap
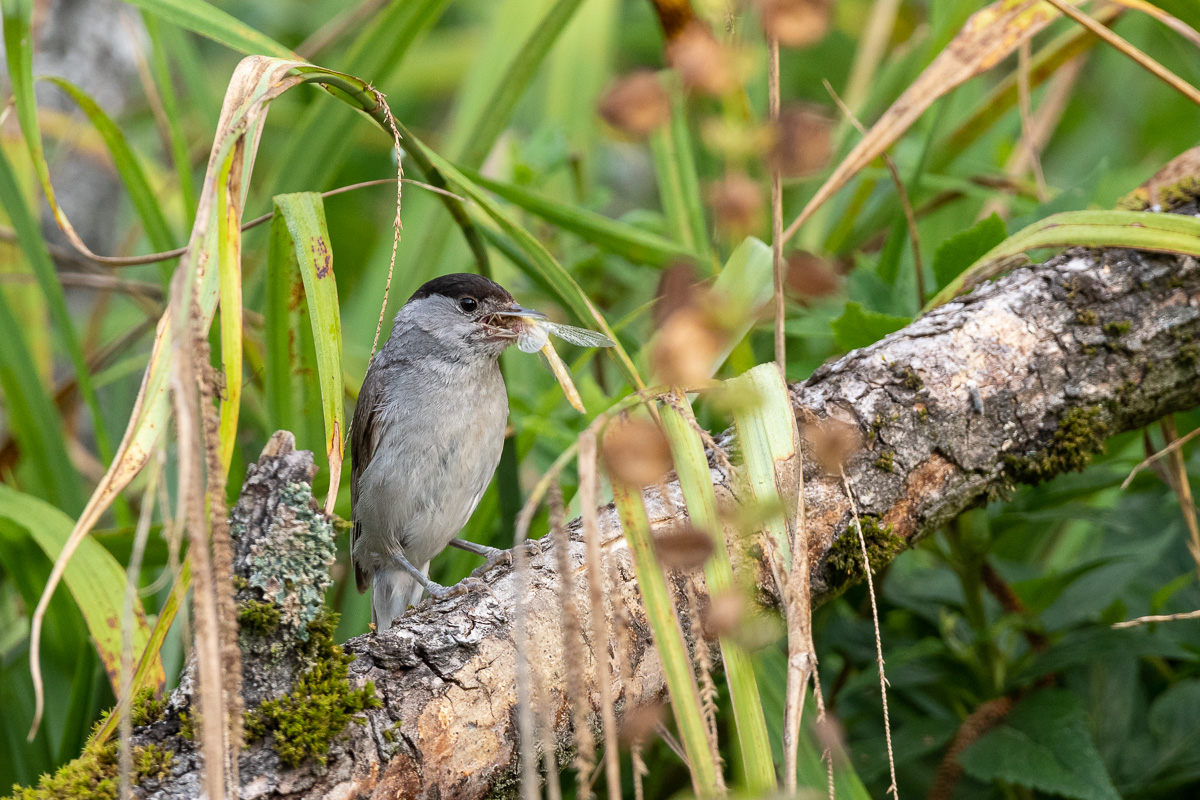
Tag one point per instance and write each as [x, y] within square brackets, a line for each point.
[464, 284]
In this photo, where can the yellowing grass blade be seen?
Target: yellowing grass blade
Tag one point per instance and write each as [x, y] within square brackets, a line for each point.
[563, 376]
[304, 216]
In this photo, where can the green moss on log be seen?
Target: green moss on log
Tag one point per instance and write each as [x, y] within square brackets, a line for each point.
[305, 722]
[1080, 435]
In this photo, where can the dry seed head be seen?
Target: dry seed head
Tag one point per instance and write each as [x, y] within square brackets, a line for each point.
[635, 452]
[704, 64]
[795, 23]
[682, 547]
[724, 613]
[811, 277]
[831, 442]
[636, 104]
[687, 347]
[803, 142]
[638, 723]
[737, 204]
[676, 290]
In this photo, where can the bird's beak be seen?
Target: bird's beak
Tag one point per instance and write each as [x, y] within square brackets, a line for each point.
[520, 311]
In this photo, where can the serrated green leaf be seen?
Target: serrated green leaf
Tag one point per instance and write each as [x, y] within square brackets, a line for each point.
[857, 327]
[1044, 744]
[962, 250]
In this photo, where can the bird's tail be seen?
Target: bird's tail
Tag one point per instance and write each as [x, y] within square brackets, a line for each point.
[392, 591]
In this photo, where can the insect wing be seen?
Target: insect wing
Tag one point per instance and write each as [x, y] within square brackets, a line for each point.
[580, 336]
[533, 336]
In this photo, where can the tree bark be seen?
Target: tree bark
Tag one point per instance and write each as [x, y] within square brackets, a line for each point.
[1019, 381]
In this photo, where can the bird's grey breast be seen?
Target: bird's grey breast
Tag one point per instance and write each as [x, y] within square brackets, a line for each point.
[441, 429]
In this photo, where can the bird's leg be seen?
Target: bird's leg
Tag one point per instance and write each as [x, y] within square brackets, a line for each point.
[436, 590]
[492, 554]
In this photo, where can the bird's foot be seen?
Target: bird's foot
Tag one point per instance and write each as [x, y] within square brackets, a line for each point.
[465, 586]
[496, 556]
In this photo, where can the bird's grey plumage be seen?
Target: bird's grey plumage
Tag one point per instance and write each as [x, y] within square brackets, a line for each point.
[426, 437]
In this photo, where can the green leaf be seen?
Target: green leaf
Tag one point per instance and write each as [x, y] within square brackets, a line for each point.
[166, 90]
[208, 20]
[1044, 744]
[32, 419]
[94, 578]
[620, 238]
[675, 166]
[1137, 230]
[963, 249]
[857, 327]
[303, 214]
[668, 638]
[695, 481]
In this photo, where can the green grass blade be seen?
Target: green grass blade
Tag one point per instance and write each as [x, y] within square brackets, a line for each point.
[375, 52]
[30, 415]
[766, 427]
[620, 238]
[1137, 230]
[29, 237]
[668, 638]
[474, 134]
[148, 208]
[94, 578]
[209, 21]
[675, 166]
[565, 286]
[304, 216]
[695, 480]
[281, 360]
[161, 68]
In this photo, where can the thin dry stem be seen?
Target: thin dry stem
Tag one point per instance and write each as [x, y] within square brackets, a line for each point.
[132, 577]
[1170, 448]
[777, 215]
[1132, 623]
[397, 226]
[598, 612]
[827, 752]
[1146, 62]
[887, 725]
[910, 217]
[574, 645]
[1183, 488]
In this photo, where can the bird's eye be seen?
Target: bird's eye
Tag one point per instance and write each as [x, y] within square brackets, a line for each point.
[468, 304]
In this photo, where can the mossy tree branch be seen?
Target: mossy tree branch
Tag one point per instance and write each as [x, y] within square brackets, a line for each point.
[1019, 381]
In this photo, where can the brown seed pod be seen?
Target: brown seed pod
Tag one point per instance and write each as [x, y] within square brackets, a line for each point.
[803, 142]
[687, 347]
[638, 723]
[795, 23]
[682, 547]
[724, 613]
[831, 441]
[703, 63]
[636, 104]
[635, 452]
[737, 204]
[810, 276]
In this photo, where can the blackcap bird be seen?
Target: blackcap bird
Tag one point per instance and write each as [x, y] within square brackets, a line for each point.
[427, 434]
